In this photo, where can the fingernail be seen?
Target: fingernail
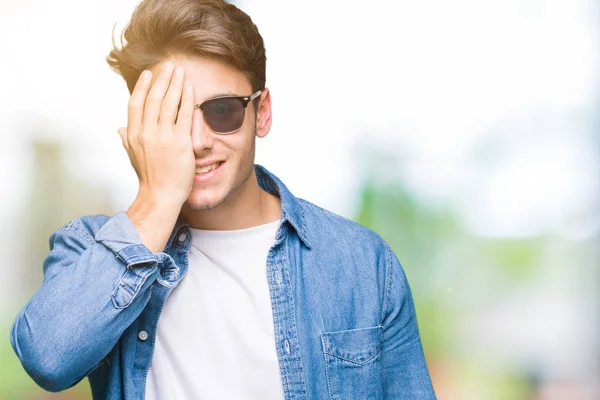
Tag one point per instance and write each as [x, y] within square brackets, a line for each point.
[179, 71]
[187, 85]
[167, 67]
[145, 74]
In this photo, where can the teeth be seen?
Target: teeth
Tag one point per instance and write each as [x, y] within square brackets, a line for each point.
[204, 170]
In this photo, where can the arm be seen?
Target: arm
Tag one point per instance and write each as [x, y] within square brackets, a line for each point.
[93, 289]
[405, 374]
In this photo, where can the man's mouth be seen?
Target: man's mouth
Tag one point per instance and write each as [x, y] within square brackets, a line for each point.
[208, 168]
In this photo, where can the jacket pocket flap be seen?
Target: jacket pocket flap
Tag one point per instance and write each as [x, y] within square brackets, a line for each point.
[355, 345]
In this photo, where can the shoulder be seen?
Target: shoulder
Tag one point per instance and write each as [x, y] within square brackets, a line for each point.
[335, 230]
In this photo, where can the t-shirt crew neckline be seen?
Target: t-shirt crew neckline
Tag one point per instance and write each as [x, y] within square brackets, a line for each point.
[258, 229]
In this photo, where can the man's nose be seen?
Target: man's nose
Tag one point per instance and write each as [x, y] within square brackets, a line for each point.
[202, 136]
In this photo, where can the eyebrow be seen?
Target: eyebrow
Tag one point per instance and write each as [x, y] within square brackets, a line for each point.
[223, 94]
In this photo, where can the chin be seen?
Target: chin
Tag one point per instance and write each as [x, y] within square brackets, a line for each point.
[201, 199]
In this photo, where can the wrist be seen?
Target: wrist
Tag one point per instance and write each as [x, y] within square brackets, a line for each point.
[160, 198]
[154, 217]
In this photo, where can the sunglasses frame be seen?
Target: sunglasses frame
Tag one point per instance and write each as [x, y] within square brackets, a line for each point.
[243, 99]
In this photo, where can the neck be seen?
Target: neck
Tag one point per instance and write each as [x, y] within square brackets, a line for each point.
[248, 206]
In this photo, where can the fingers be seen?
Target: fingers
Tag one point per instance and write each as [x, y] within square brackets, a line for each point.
[156, 95]
[168, 112]
[186, 111]
[137, 101]
[163, 103]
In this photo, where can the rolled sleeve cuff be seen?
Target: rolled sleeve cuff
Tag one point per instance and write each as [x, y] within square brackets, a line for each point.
[120, 236]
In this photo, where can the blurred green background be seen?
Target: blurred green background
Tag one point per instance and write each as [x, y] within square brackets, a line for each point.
[467, 134]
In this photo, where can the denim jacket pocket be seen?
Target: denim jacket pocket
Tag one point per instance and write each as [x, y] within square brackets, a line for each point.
[353, 363]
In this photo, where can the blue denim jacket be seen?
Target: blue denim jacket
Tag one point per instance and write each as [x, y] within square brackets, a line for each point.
[344, 319]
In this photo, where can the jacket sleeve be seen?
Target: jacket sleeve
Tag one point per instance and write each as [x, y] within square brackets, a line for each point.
[405, 374]
[94, 287]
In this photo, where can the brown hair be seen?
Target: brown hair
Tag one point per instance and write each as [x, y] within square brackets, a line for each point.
[205, 28]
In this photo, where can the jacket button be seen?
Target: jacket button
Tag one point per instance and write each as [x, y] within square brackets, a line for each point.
[143, 335]
[182, 237]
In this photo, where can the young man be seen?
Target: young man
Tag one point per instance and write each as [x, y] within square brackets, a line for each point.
[216, 283]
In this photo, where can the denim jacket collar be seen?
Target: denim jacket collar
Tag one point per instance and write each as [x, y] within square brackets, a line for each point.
[291, 209]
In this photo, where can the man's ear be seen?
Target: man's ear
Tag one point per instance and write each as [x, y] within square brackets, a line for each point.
[263, 116]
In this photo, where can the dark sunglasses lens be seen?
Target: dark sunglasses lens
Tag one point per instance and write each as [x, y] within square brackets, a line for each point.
[224, 115]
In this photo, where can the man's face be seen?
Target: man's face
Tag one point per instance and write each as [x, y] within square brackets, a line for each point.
[233, 152]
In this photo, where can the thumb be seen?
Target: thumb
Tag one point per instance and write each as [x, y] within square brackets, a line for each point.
[123, 133]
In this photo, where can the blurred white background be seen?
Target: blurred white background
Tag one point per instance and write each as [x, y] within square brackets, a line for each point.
[488, 110]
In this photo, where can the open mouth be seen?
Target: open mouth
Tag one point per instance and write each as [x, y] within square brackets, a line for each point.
[206, 169]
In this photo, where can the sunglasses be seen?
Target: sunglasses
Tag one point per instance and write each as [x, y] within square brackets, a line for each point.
[225, 115]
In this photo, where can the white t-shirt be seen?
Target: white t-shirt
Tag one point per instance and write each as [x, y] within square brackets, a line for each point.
[215, 336]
